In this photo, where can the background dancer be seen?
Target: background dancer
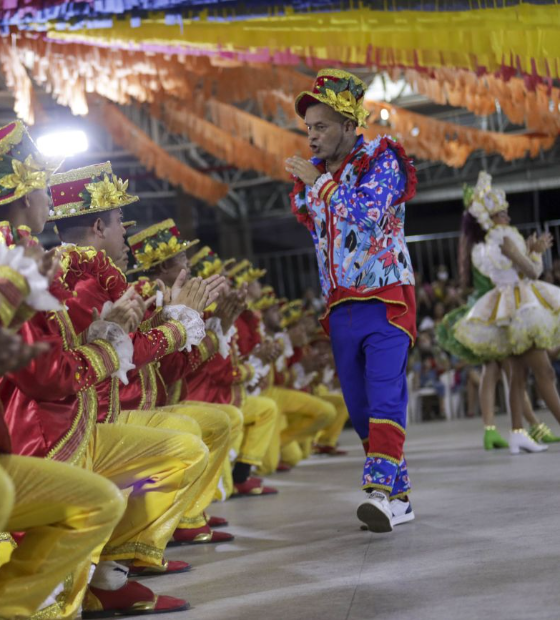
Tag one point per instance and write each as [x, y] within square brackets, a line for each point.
[518, 319]
[472, 234]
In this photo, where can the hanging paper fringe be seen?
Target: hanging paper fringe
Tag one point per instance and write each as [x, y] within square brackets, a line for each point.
[520, 38]
[264, 135]
[451, 143]
[538, 108]
[18, 82]
[71, 70]
[154, 158]
[220, 143]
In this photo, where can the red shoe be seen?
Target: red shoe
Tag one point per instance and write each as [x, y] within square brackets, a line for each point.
[198, 536]
[216, 522]
[283, 468]
[169, 567]
[133, 599]
[251, 488]
[328, 450]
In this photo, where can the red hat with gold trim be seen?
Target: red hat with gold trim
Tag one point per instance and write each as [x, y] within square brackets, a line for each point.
[267, 300]
[22, 167]
[156, 244]
[292, 313]
[206, 263]
[88, 190]
[341, 91]
[246, 273]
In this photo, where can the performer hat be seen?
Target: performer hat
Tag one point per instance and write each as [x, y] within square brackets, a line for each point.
[92, 189]
[23, 169]
[483, 200]
[340, 90]
[156, 244]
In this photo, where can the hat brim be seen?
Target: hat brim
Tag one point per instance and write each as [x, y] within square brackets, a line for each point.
[124, 203]
[307, 98]
[139, 269]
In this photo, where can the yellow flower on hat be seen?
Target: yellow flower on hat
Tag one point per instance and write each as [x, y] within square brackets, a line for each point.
[107, 193]
[25, 177]
[104, 193]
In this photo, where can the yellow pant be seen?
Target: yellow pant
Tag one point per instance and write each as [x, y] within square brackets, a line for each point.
[66, 512]
[7, 494]
[304, 416]
[330, 435]
[160, 470]
[224, 482]
[216, 427]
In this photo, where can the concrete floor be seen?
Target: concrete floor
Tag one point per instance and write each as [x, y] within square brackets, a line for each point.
[485, 543]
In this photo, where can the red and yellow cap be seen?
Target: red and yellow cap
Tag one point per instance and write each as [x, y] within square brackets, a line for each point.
[22, 167]
[156, 244]
[292, 313]
[340, 90]
[88, 190]
[267, 300]
[206, 263]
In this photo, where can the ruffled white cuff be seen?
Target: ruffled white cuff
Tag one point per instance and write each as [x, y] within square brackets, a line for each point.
[302, 379]
[319, 184]
[328, 375]
[215, 324]
[261, 370]
[120, 341]
[191, 320]
[39, 297]
[287, 352]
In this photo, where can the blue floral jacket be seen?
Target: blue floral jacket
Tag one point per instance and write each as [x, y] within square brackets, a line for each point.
[356, 220]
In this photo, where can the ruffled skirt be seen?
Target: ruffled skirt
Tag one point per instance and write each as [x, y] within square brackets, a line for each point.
[510, 320]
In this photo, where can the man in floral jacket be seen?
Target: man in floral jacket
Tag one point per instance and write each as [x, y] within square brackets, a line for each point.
[351, 198]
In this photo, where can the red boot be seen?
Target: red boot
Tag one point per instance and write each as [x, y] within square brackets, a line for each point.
[328, 451]
[252, 487]
[167, 568]
[133, 599]
[198, 536]
[216, 522]
[283, 468]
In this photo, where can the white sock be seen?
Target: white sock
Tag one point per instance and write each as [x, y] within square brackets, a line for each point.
[109, 576]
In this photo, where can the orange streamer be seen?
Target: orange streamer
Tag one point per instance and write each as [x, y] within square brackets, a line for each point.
[153, 157]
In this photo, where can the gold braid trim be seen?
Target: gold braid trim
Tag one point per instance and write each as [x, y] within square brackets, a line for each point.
[386, 457]
[95, 359]
[174, 392]
[13, 290]
[390, 422]
[153, 322]
[175, 334]
[7, 537]
[132, 551]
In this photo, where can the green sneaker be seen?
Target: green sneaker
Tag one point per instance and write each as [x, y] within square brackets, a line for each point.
[493, 440]
[542, 434]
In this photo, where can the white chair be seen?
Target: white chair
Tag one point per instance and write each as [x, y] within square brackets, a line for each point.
[415, 398]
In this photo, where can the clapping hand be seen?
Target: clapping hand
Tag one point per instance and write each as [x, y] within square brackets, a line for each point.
[16, 354]
[128, 311]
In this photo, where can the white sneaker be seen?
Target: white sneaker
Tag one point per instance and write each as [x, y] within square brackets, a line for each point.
[375, 512]
[402, 512]
[520, 440]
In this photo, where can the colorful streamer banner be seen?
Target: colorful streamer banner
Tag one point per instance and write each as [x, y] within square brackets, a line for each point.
[522, 38]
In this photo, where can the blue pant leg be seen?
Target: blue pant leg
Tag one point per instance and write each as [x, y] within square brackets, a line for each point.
[401, 488]
[350, 366]
[386, 352]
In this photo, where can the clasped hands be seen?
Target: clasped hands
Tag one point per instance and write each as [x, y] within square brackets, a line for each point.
[539, 244]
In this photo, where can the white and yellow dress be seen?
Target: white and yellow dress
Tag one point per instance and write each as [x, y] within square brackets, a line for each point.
[519, 313]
